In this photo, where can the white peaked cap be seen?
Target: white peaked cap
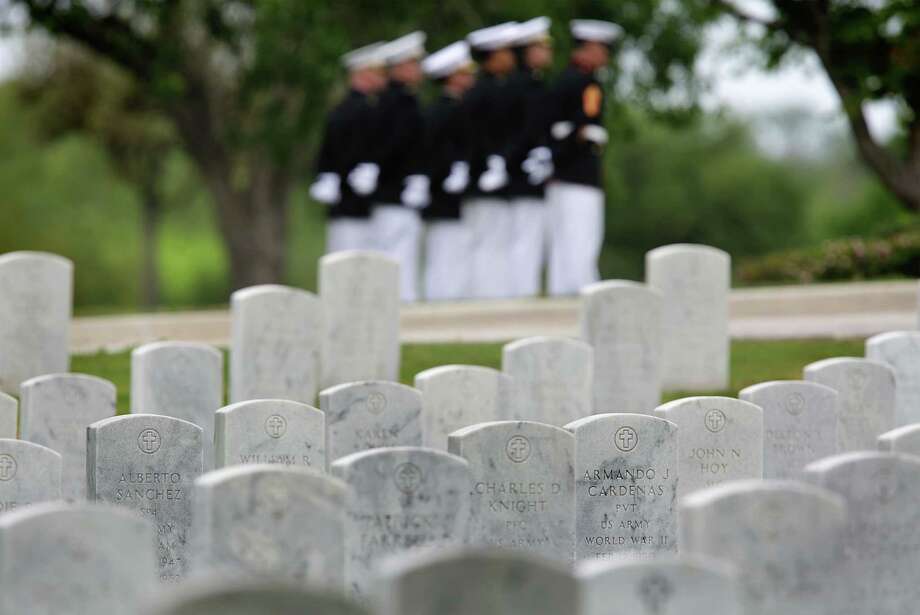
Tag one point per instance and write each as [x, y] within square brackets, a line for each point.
[447, 61]
[532, 30]
[408, 47]
[494, 37]
[595, 30]
[363, 57]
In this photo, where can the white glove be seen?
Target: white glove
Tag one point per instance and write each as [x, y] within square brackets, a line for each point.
[459, 178]
[495, 176]
[363, 178]
[595, 134]
[327, 188]
[416, 194]
[560, 130]
[539, 165]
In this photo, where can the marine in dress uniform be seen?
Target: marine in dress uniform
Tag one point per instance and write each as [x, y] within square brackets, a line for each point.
[575, 197]
[447, 157]
[529, 158]
[403, 188]
[344, 177]
[486, 210]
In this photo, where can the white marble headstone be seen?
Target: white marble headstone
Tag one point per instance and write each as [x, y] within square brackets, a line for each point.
[625, 485]
[865, 402]
[9, 415]
[904, 440]
[522, 486]
[235, 598]
[799, 424]
[552, 377]
[900, 350]
[694, 282]
[276, 431]
[36, 302]
[184, 380]
[55, 412]
[29, 474]
[360, 295]
[454, 396]
[720, 439]
[276, 342]
[622, 320]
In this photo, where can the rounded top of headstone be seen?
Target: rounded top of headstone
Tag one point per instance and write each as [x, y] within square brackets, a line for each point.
[28, 255]
[286, 404]
[385, 384]
[737, 405]
[73, 512]
[357, 256]
[250, 471]
[615, 566]
[745, 488]
[893, 337]
[532, 426]
[167, 346]
[595, 419]
[372, 456]
[685, 249]
[844, 461]
[841, 362]
[762, 387]
[444, 370]
[236, 598]
[619, 287]
[8, 444]
[548, 341]
[160, 419]
[69, 377]
[904, 436]
[472, 558]
[269, 290]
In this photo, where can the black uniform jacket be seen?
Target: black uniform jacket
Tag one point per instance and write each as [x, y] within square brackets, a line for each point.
[531, 129]
[401, 141]
[448, 139]
[490, 105]
[577, 97]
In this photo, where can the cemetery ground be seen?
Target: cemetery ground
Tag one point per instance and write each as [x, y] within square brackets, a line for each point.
[752, 361]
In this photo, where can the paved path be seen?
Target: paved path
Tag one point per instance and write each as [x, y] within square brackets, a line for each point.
[831, 310]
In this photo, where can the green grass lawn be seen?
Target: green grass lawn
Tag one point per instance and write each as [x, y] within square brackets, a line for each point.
[752, 362]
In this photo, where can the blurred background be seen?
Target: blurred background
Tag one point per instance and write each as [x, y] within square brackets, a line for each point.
[165, 146]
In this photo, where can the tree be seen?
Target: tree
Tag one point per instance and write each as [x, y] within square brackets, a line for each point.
[246, 82]
[870, 51]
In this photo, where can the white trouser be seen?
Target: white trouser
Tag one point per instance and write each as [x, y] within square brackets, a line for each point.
[447, 264]
[575, 218]
[527, 243]
[348, 234]
[489, 222]
[398, 233]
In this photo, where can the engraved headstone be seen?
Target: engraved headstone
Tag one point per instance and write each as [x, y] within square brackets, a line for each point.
[865, 401]
[29, 474]
[454, 396]
[365, 415]
[623, 322]
[180, 379]
[61, 559]
[900, 350]
[276, 341]
[694, 282]
[36, 301]
[799, 424]
[401, 499]
[522, 487]
[254, 599]
[720, 439]
[625, 485]
[685, 585]
[270, 522]
[880, 557]
[781, 535]
[360, 295]
[905, 440]
[148, 463]
[552, 379]
[476, 582]
[9, 415]
[56, 410]
[270, 431]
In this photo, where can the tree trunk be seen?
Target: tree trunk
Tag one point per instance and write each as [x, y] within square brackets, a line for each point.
[150, 219]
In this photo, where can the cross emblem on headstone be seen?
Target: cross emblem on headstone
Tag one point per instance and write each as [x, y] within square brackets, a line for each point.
[655, 591]
[626, 439]
[149, 441]
[275, 426]
[518, 449]
[7, 467]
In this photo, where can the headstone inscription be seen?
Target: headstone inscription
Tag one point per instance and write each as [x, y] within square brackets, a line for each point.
[236, 598]
[694, 282]
[276, 342]
[900, 350]
[904, 440]
[270, 431]
[36, 302]
[865, 402]
[366, 415]
[522, 486]
[360, 295]
[270, 522]
[400, 499]
[675, 585]
[63, 559]
[454, 396]
[29, 474]
[720, 439]
[179, 379]
[799, 424]
[9, 415]
[622, 320]
[148, 463]
[552, 380]
[476, 582]
[625, 485]
[56, 410]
